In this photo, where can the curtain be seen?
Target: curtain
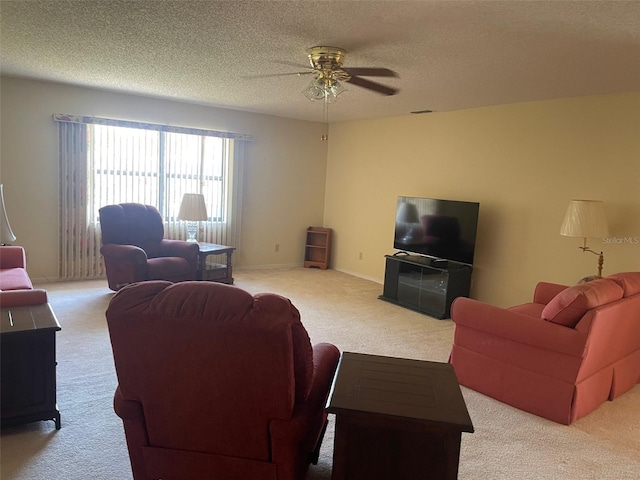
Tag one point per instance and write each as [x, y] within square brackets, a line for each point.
[79, 241]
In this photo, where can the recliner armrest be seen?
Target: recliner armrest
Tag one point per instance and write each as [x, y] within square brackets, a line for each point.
[179, 248]
[325, 362]
[124, 252]
[308, 415]
[127, 409]
[536, 332]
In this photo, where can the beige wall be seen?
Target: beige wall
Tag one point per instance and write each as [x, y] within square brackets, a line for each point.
[284, 182]
[522, 162]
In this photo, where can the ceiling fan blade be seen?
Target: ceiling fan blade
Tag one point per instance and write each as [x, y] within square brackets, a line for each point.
[371, 72]
[268, 75]
[376, 87]
[291, 64]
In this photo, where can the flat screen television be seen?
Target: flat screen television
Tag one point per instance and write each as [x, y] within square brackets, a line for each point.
[442, 229]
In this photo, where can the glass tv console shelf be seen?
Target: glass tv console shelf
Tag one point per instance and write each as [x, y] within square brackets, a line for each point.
[425, 284]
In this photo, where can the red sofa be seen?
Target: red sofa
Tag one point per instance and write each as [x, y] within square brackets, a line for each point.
[559, 357]
[16, 289]
[214, 383]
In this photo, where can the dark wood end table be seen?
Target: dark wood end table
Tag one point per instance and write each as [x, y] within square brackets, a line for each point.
[396, 419]
[28, 363]
[211, 271]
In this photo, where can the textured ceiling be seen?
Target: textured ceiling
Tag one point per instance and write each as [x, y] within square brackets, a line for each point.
[449, 54]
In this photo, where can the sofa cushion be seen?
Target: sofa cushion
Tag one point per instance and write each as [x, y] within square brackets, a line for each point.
[629, 281]
[568, 307]
[15, 279]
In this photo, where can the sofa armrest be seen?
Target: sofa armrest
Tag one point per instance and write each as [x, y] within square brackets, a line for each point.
[21, 298]
[535, 332]
[545, 292]
[180, 248]
[12, 256]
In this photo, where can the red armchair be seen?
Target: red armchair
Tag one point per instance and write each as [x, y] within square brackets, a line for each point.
[559, 357]
[134, 249]
[216, 383]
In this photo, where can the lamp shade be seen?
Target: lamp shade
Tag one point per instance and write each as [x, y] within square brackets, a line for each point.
[585, 218]
[6, 234]
[193, 208]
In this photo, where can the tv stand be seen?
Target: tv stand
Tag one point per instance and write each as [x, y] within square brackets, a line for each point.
[425, 284]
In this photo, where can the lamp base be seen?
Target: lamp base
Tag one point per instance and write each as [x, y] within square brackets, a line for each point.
[600, 258]
[192, 229]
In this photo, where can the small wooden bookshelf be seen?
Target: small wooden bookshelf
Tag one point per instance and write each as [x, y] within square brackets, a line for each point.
[317, 248]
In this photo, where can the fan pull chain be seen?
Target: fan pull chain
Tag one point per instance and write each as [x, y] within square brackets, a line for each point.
[325, 119]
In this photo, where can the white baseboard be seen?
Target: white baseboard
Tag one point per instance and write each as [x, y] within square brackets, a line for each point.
[359, 275]
[265, 267]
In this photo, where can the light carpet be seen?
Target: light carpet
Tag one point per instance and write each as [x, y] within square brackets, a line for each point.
[336, 308]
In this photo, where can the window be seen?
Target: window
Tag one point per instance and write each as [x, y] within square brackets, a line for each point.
[156, 168]
[106, 161]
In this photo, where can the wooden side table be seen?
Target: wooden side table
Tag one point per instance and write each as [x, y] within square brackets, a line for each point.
[211, 271]
[396, 418]
[28, 363]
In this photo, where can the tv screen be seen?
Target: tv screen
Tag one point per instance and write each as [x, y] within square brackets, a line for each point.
[444, 229]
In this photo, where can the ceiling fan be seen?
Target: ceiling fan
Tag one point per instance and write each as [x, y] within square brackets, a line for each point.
[326, 63]
[326, 66]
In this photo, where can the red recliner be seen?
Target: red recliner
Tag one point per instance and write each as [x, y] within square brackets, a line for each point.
[134, 248]
[215, 383]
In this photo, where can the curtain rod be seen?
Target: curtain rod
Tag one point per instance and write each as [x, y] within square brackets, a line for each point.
[63, 117]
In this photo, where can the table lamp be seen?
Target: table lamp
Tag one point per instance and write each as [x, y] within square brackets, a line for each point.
[6, 234]
[193, 210]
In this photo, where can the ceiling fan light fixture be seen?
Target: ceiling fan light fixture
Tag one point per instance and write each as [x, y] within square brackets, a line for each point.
[326, 63]
[336, 89]
[315, 90]
[323, 88]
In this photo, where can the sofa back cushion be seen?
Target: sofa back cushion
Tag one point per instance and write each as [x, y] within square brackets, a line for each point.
[569, 306]
[629, 281]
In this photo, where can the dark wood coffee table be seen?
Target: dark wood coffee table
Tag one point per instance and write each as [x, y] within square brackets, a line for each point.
[28, 363]
[396, 418]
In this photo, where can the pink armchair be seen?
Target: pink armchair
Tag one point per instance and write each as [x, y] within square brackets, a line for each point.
[134, 248]
[216, 383]
[559, 357]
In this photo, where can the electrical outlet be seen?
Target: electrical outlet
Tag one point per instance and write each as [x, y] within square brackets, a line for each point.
[277, 247]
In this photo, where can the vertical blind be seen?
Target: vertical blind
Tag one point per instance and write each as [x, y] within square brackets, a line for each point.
[104, 161]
